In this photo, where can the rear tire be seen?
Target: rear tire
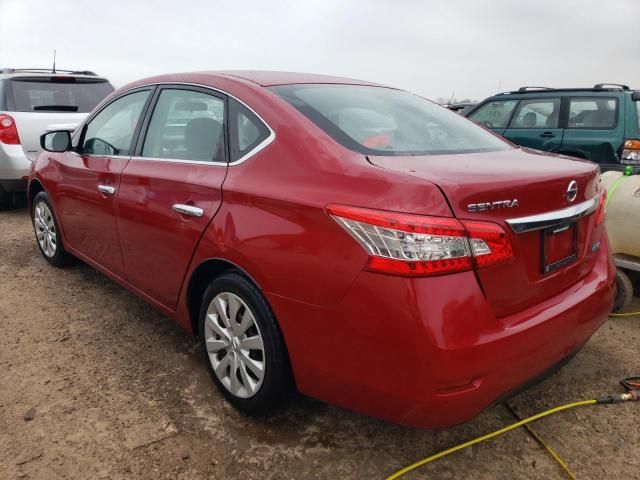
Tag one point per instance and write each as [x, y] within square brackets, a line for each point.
[624, 291]
[243, 347]
[48, 235]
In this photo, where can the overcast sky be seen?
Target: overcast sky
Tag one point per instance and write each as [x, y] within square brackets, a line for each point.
[434, 48]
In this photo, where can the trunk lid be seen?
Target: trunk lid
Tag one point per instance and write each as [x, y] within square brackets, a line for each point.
[499, 186]
[31, 125]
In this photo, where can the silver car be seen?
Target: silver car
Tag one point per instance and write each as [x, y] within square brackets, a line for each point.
[33, 101]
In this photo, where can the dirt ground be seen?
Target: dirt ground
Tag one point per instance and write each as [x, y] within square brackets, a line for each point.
[95, 384]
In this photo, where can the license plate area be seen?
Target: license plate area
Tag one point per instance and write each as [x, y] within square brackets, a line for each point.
[559, 246]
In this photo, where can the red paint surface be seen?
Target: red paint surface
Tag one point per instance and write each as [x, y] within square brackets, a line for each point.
[425, 352]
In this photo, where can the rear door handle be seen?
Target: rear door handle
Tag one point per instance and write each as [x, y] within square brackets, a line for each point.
[547, 135]
[106, 189]
[189, 210]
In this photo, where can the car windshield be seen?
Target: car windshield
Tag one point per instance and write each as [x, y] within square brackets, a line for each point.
[58, 94]
[385, 121]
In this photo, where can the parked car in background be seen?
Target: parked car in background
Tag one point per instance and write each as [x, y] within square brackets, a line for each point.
[359, 243]
[461, 108]
[31, 101]
[601, 124]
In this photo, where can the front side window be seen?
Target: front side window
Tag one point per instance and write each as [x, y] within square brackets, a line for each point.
[247, 130]
[186, 125]
[538, 113]
[595, 113]
[111, 131]
[494, 114]
[384, 121]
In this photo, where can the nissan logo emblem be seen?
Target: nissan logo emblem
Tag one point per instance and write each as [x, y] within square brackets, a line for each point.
[572, 191]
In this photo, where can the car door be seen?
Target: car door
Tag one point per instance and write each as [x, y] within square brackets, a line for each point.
[90, 176]
[593, 130]
[535, 124]
[172, 187]
[494, 114]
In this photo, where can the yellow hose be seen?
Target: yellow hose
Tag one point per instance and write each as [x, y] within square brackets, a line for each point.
[544, 444]
[462, 446]
[631, 314]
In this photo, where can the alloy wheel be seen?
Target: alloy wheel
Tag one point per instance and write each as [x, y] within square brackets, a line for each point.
[234, 345]
[45, 229]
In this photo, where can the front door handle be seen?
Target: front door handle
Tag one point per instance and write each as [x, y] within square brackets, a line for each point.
[547, 135]
[189, 210]
[106, 189]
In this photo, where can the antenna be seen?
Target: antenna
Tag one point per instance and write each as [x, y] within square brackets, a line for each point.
[451, 99]
[54, 61]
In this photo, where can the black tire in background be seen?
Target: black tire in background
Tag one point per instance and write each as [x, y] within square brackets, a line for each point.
[624, 291]
[6, 202]
[61, 257]
[277, 383]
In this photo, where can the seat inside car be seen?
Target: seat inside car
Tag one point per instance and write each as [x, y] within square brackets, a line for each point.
[202, 139]
[529, 120]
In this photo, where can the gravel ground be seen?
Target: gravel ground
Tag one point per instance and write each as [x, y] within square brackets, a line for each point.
[95, 384]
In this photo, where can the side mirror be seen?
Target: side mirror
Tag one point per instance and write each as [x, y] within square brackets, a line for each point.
[56, 141]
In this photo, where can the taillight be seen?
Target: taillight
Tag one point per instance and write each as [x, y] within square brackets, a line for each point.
[631, 152]
[8, 131]
[489, 243]
[415, 245]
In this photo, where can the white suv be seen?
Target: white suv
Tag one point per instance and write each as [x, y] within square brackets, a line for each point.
[33, 101]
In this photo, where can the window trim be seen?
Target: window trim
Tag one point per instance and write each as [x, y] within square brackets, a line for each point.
[532, 100]
[154, 85]
[82, 129]
[142, 135]
[617, 110]
[234, 132]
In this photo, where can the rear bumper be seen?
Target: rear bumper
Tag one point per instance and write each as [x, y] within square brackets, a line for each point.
[429, 352]
[14, 165]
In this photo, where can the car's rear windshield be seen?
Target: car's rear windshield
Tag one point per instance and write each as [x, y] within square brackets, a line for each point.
[57, 94]
[385, 121]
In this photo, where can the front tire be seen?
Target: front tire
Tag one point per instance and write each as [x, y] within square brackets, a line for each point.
[243, 347]
[48, 236]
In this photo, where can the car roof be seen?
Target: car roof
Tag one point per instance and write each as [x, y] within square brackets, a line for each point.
[47, 73]
[254, 77]
[268, 78]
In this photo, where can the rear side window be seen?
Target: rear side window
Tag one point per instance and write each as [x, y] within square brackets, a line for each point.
[385, 121]
[247, 130]
[638, 114]
[494, 114]
[186, 125]
[594, 113]
[537, 113]
[57, 94]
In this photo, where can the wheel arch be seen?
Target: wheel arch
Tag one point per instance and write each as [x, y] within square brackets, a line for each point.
[200, 279]
[35, 187]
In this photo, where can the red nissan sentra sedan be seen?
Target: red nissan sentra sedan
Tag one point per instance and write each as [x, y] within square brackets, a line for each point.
[353, 241]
